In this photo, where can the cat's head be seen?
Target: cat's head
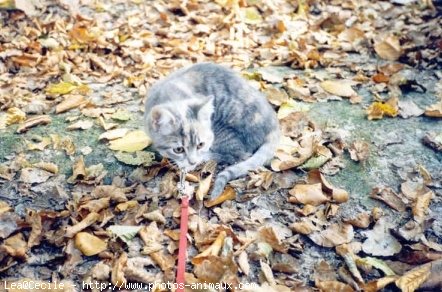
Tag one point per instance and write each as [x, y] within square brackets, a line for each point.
[182, 131]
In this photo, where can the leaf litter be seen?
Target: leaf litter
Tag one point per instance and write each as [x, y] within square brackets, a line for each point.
[56, 63]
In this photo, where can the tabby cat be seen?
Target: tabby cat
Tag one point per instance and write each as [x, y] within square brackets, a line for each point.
[207, 112]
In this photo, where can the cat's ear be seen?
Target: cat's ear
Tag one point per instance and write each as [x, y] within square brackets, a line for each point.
[162, 120]
[206, 110]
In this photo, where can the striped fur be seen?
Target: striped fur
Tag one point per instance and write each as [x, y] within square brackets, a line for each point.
[209, 112]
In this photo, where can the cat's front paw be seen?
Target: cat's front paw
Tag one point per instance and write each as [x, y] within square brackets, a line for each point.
[217, 190]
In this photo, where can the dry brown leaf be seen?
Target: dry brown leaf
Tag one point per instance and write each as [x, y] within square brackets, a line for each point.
[165, 261]
[89, 244]
[434, 110]
[94, 206]
[379, 241]
[389, 197]
[388, 48]
[115, 193]
[379, 284]
[203, 188]
[117, 276]
[213, 250]
[269, 235]
[243, 263]
[114, 134]
[308, 194]
[36, 234]
[156, 216]
[79, 170]
[90, 219]
[362, 220]
[228, 194]
[48, 166]
[420, 206]
[333, 286]
[339, 87]
[337, 195]
[81, 125]
[304, 227]
[151, 237]
[122, 207]
[131, 142]
[334, 235]
[15, 246]
[411, 280]
[33, 122]
[70, 102]
[359, 151]
[267, 272]
[34, 175]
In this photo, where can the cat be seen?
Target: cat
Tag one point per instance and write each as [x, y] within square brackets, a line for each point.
[208, 112]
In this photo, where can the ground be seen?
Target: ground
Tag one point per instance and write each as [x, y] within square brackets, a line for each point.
[351, 201]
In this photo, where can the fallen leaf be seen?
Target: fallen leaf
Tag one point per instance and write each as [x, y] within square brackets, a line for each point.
[377, 110]
[70, 102]
[338, 87]
[379, 241]
[388, 47]
[15, 246]
[334, 235]
[34, 121]
[212, 250]
[118, 266]
[228, 194]
[14, 116]
[90, 219]
[125, 233]
[121, 115]
[143, 158]
[329, 286]
[308, 194]
[389, 197]
[411, 280]
[89, 244]
[434, 110]
[34, 175]
[113, 134]
[433, 140]
[243, 263]
[408, 108]
[359, 151]
[133, 141]
[80, 125]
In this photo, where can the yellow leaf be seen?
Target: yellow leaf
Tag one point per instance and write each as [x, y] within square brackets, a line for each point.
[251, 15]
[131, 142]
[60, 88]
[377, 110]
[411, 280]
[15, 116]
[89, 244]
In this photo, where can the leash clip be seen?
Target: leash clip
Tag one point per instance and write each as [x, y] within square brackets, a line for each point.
[184, 189]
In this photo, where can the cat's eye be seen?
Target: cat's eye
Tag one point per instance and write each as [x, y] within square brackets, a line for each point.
[200, 145]
[178, 150]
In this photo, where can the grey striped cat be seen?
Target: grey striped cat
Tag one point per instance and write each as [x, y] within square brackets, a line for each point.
[206, 112]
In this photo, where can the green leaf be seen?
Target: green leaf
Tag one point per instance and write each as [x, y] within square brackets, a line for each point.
[378, 264]
[125, 233]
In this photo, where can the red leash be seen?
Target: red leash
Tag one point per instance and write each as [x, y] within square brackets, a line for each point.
[182, 248]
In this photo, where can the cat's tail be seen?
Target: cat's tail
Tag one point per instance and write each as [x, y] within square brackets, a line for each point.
[259, 158]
